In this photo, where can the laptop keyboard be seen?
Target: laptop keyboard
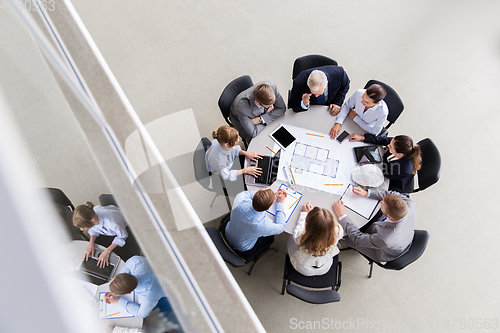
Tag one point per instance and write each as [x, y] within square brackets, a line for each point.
[90, 266]
[264, 164]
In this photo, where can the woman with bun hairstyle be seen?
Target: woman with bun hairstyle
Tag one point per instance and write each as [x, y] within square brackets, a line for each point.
[99, 220]
[220, 156]
[402, 158]
[314, 241]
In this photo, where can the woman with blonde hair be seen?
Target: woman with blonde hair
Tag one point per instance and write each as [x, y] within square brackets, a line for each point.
[221, 155]
[314, 241]
[101, 220]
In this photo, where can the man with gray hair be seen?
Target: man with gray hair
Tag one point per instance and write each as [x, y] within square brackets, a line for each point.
[325, 85]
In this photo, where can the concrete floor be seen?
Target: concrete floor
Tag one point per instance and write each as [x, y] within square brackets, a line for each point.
[442, 57]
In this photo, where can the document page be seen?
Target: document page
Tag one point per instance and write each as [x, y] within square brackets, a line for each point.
[363, 206]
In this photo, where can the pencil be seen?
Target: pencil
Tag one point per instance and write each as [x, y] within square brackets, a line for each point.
[293, 176]
[334, 184]
[271, 150]
[294, 203]
[110, 315]
[321, 136]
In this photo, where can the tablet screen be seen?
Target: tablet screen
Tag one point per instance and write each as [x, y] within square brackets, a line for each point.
[283, 137]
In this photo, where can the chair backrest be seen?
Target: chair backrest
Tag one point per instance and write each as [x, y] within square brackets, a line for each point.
[229, 256]
[431, 164]
[230, 92]
[329, 280]
[417, 248]
[107, 199]
[392, 99]
[310, 61]
[59, 197]
[201, 173]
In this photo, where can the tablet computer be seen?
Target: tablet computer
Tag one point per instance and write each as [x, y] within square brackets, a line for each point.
[282, 137]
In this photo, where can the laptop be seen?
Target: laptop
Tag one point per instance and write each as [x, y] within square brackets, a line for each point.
[269, 166]
[96, 275]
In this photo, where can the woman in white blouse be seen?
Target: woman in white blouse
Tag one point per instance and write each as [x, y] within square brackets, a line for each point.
[314, 241]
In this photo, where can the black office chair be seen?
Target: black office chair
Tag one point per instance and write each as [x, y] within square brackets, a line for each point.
[65, 208]
[227, 253]
[210, 182]
[417, 248]
[431, 167]
[310, 61]
[331, 279]
[230, 92]
[131, 247]
[306, 62]
[394, 103]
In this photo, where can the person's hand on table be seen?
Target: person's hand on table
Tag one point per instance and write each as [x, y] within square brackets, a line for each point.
[110, 298]
[89, 251]
[254, 156]
[356, 137]
[334, 110]
[352, 114]
[307, 207]
[335, 131]
[253, 170]
[103, 259]
[305, 99]
[339, 208]
[281, 195]
[256, 120]
[359, 191]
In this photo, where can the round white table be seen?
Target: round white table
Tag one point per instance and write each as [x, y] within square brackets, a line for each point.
[318, 119]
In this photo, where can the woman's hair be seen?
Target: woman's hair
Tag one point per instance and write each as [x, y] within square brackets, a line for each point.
[226, 134]
[403, 144]
[376, 92]
[263, 199]
[82, 216]
[264, 94]
[123, 284]
[320, 233]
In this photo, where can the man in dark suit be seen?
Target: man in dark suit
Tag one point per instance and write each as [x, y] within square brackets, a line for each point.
[325, 85]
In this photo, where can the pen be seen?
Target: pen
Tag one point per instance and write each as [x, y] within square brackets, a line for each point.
[110, 315]
[321, 136]
[334, 184]
[294, 203]
[292, 176]
[271, 150]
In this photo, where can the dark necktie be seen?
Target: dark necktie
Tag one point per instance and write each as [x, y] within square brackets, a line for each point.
[320, 99]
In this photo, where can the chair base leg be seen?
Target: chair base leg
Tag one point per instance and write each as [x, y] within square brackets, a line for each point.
[216, 195]
[251, 268]
[371, 269]
[283, 287]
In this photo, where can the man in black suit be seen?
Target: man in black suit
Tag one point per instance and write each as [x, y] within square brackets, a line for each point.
[325, 85]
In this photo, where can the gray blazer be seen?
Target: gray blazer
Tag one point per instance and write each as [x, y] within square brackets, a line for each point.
[244, 109]
[383, 240]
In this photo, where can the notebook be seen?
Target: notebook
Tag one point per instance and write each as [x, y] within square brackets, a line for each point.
[95, 274]
[269, 166]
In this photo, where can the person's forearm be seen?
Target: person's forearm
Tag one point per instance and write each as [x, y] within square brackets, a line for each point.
[92, 239]
[112, 247]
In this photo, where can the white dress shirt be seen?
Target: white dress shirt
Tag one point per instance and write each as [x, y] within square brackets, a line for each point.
[111, 223]
[371, 121]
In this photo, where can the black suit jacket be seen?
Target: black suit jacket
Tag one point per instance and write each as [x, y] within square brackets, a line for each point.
[399, 171]
[338, 85]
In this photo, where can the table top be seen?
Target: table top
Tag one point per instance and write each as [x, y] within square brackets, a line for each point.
[318, 119]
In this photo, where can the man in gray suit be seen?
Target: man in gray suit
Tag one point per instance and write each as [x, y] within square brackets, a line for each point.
[388, 238]
[255, 108]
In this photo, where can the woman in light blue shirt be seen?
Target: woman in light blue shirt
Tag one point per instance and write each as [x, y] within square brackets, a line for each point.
[366, 108]
[100, 220]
